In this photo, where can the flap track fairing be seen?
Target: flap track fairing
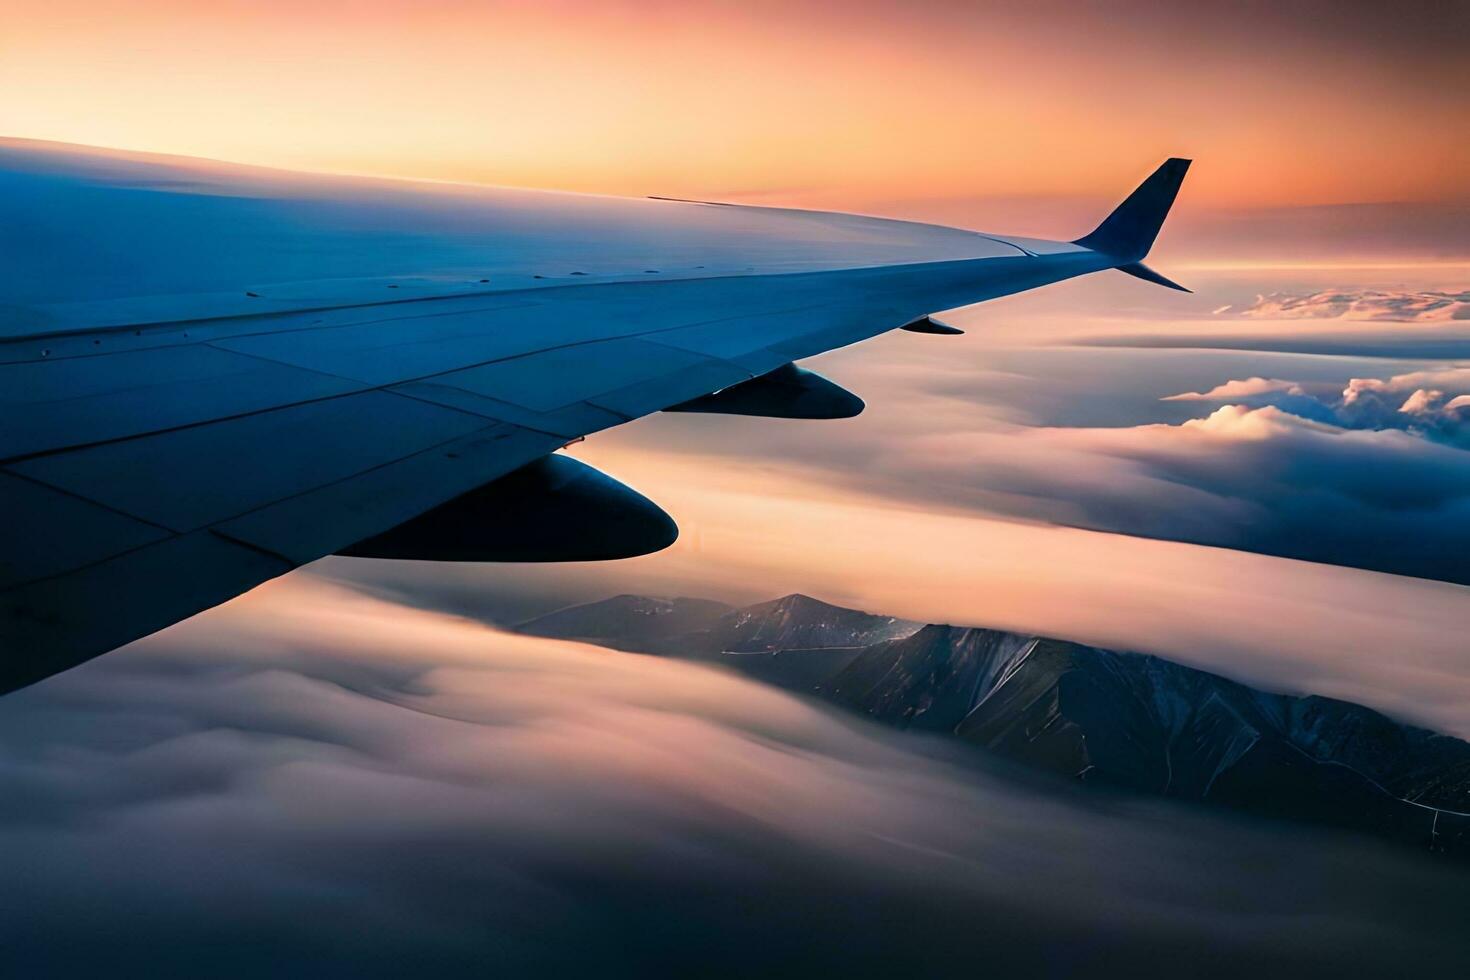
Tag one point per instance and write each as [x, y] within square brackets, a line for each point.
[789, 392]
[555, 509]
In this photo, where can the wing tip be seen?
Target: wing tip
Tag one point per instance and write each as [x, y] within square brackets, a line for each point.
[1129, 232]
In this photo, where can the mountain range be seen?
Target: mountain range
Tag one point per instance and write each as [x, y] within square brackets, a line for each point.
[1128, 721]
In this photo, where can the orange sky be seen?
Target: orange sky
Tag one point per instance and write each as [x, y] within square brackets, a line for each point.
[833, 104]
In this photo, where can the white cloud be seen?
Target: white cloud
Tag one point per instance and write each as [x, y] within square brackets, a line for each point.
[1452, 377]
[1422, 402]
[1428, 402]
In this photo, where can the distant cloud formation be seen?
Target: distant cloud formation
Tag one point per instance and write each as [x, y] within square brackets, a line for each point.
[1344, 322]
[1423, 306]
[1314, 459]
[1434, 403]
[1260, 479]
[308, 782]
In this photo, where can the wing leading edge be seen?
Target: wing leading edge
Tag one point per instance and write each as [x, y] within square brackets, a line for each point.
[149, 473]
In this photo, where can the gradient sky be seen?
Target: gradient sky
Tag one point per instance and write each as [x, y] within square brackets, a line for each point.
[832, 104]
[308, 775]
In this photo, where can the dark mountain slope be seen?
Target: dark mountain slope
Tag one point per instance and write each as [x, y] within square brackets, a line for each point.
[1130, 721]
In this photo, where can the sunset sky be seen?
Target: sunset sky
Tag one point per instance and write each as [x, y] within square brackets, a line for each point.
[1339, 127]
[363, 764]
[854, 105]
[1319, 130]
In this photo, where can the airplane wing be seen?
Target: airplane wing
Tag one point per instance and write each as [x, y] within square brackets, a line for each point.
[211, 376]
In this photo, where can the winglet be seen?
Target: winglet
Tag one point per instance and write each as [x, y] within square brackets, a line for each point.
[1129, 232]
[1141, 271]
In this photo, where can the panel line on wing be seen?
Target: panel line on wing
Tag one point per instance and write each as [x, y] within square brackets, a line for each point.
[385, 496]
[577, 419]
[235, 464]
[16, 475]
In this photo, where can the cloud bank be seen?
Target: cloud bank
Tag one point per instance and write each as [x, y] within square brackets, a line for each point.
[1433, 403]
[1259, 479]
[1380, 321]
[311, 783]
[1408, 306]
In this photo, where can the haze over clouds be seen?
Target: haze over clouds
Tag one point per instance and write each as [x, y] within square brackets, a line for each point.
[312, 783]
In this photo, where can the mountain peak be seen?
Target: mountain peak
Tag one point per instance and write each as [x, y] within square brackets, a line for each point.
[801, 621]
[629, 621]
[800, 600]
[1122, 719]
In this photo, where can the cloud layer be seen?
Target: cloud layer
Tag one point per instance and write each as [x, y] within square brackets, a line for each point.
[1318, 460]
[1422, 306]
[311, 783]
[1261, 479]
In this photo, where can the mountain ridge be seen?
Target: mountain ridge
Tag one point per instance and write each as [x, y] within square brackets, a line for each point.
[1129, 721]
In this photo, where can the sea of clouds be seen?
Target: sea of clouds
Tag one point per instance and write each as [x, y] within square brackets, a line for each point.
[313, 782]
